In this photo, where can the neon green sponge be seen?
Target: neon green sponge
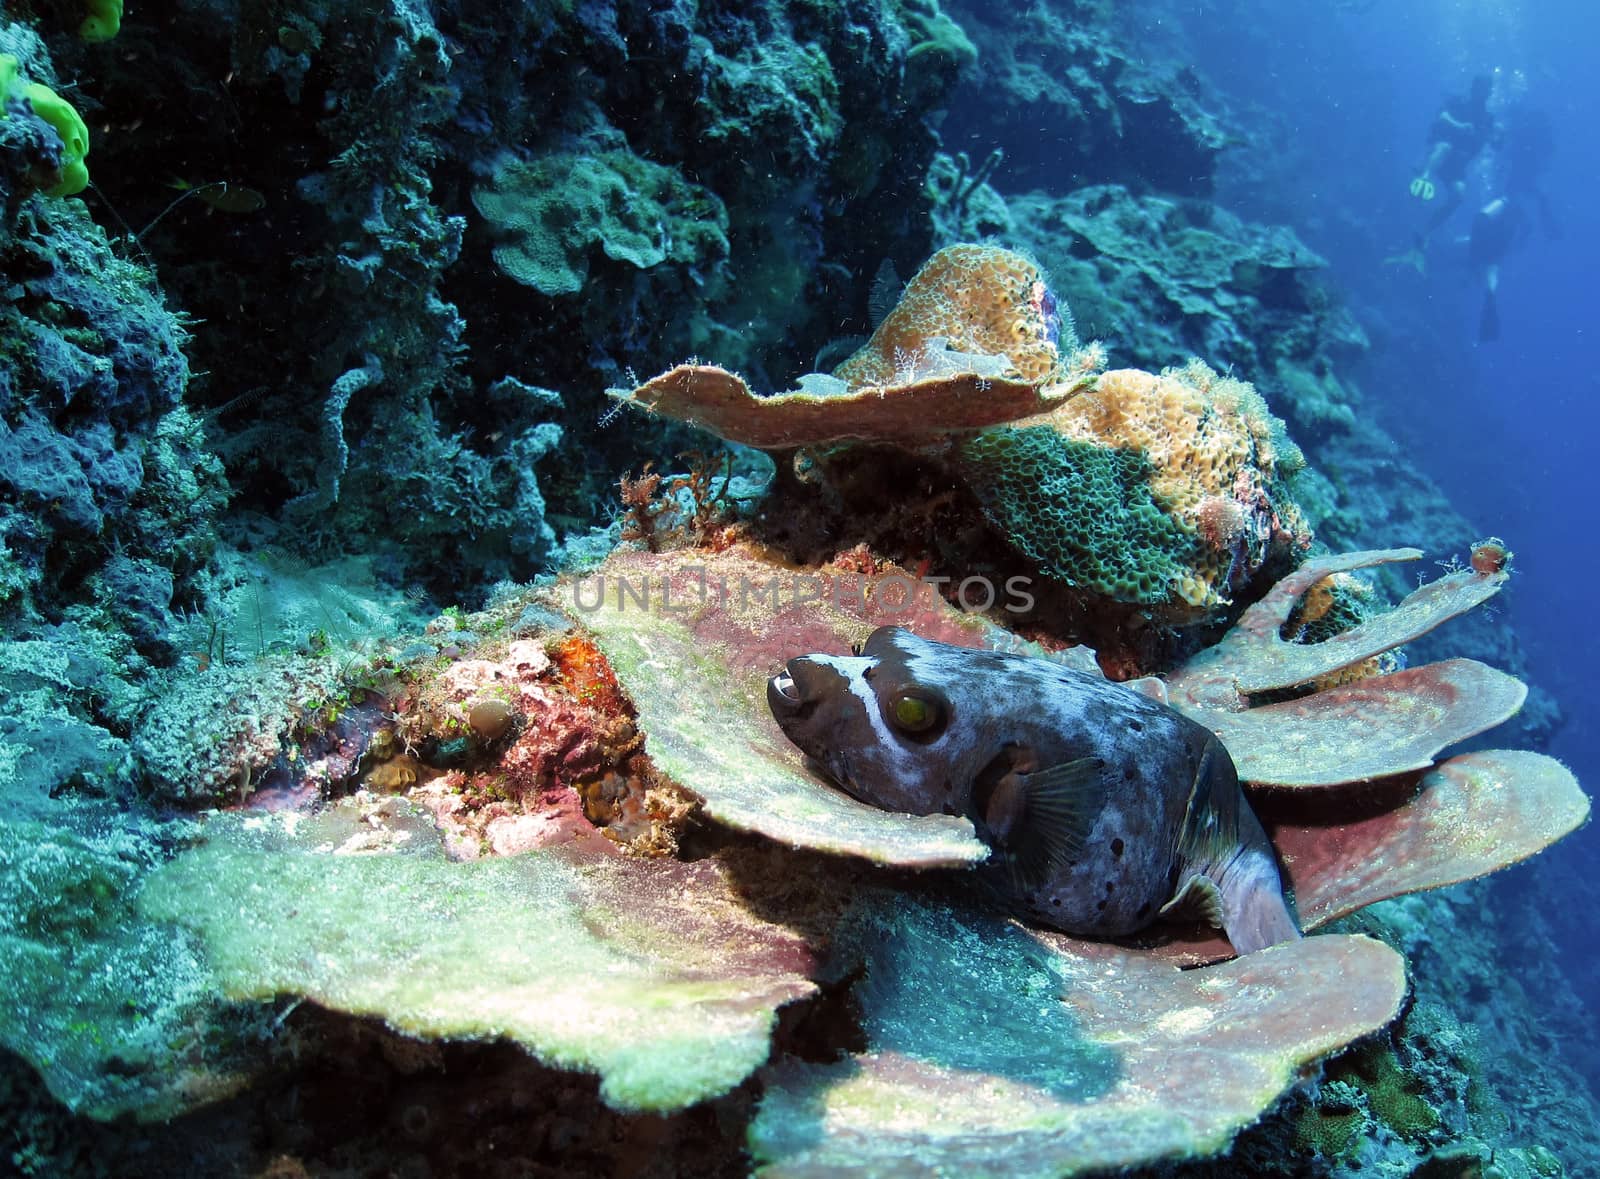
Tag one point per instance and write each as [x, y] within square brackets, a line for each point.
[103, 21]
[58, 112]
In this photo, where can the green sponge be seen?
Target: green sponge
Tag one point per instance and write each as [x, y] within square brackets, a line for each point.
[1082, 512]
[58, 112]
[103, 21]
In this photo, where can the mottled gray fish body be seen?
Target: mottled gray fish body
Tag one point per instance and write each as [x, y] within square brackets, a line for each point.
[1103, 807]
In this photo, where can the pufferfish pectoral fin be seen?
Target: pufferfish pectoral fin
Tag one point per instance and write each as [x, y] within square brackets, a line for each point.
[1251, 912]
[1041, 820]
[1198, 897]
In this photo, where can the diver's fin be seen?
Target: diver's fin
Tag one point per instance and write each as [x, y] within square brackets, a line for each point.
[1199, 897]
[1414, 258]
[1489, 319]
[1054, 807]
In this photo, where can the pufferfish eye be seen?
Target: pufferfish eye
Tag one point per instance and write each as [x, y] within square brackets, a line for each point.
[915, 713]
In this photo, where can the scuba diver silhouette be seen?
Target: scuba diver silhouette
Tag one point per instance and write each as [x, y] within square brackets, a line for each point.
[1462, 128]
[1523, 146]
[1507, 220]
[1496, 228]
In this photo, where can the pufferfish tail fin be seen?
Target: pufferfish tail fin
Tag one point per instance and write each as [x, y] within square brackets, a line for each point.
[1198, 897]
[1233, 868]
[1254, 912]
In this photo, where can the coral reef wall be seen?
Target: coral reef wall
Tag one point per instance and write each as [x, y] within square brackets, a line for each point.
[404, 227]
[111, 492]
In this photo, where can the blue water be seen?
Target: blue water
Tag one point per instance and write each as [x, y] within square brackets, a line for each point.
[1506, 428]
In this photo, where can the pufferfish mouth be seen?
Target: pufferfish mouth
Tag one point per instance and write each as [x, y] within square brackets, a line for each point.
[785, 700]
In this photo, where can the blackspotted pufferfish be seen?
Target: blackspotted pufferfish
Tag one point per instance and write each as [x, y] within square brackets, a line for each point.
[1103, 808]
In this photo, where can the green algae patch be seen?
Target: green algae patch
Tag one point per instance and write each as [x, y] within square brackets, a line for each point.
[116, 1015]
[1058, 1057]
[644, 972]
[693, 637]
[1082, 512]
[550, 214]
